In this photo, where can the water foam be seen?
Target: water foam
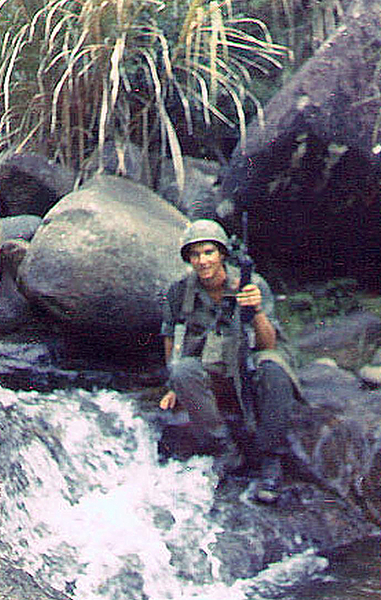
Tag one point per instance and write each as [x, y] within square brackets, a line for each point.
[101, 518]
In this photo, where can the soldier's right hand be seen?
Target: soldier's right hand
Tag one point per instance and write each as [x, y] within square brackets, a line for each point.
[168, 400]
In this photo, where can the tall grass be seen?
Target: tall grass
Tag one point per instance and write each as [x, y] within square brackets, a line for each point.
[76, 73]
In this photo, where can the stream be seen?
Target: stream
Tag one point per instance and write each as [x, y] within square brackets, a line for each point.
[89, 509]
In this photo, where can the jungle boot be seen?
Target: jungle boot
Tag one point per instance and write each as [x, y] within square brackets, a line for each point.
[228, 457]
[268, 487]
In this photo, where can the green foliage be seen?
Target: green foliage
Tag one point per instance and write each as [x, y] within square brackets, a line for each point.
[75, 73]
[318, 306]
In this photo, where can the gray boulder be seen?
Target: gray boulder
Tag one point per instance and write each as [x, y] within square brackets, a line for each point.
[15, 234]
[103, 256]
[348, 339]
[20, 226]
[200, 197]
[14, 307]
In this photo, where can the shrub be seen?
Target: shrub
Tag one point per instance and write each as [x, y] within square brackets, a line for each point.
[76, 73]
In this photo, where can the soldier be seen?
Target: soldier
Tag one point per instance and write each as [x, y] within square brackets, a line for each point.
[219, 367]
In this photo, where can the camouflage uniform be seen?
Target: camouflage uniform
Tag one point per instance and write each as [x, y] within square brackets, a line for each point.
[206, 371]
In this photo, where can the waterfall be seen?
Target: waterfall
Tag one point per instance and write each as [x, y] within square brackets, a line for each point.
[88, 508]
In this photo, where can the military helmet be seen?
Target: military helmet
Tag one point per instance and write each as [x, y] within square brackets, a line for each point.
[204, 230]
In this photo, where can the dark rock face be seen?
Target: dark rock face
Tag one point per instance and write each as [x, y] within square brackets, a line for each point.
[309, 177]
[103, 257]
[30, 184]
[306, 516]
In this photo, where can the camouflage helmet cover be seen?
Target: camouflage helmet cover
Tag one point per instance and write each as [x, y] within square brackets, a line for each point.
[203, 230]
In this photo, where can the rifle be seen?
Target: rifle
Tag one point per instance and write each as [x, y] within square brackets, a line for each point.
[246, 267]
[246, 363]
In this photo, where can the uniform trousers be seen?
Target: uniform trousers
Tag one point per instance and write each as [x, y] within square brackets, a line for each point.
[270, 405]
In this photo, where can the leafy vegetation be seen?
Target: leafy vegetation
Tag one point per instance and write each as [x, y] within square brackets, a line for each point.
[76, 73]
[321, 306]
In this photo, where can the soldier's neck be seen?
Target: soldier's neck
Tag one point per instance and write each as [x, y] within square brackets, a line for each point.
[216, 285]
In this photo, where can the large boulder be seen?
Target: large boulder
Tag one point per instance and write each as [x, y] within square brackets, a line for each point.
[310, 176]
[103, 257]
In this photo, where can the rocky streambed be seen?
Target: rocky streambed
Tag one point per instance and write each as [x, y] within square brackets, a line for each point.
[79, 442]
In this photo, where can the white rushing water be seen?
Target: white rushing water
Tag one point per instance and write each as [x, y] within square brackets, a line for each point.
[92, 511]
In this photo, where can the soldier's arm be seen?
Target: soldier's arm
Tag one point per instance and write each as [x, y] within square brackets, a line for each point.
[265, 333]
[168, 347]
[169, 399]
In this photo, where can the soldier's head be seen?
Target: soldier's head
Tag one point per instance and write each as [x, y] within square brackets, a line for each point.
[205, 246]
[204, 230]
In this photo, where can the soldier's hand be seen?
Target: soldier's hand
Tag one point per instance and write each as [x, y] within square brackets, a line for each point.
[168, 400]
[250, 295]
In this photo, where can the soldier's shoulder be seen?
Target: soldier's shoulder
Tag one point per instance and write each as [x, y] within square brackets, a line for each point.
[177, 289]
[258, 279]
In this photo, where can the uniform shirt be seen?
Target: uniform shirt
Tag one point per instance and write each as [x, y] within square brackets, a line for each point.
[209, 316]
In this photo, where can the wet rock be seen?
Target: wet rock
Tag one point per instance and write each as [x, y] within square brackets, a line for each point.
[103, 257]
[16, 584]
[42, 366]
[331, 448]
[347, 339]
[305, 516]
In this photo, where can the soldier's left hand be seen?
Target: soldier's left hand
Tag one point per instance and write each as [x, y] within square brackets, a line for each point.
[250, 295]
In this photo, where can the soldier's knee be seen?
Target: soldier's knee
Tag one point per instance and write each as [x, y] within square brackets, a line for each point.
[271, 370]
[184, 368]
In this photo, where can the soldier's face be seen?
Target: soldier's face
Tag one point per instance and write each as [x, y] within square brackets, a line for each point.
[206, 260]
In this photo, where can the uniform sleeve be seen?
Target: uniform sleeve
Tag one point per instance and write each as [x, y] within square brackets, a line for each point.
[167, 323]
[171, 308]
[283, 343]
[267, 296]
